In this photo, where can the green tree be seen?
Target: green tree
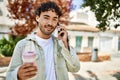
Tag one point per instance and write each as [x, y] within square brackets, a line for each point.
[105, 11]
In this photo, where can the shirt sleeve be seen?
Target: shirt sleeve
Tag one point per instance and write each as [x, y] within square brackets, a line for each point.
[12, 75]
[71, 59]
[15, 63]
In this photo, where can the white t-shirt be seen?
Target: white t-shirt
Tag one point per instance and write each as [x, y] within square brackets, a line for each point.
[47, 46]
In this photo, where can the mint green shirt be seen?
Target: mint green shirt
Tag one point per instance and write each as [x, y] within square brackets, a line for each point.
[65, 60]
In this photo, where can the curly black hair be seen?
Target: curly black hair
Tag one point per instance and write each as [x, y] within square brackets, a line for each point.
[49, 5]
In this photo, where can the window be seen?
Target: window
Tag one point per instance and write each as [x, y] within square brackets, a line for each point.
[90, 42]
[78, 43]
[1, 12]
[119, 44]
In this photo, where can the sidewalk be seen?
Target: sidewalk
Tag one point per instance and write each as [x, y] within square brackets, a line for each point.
[106, 70]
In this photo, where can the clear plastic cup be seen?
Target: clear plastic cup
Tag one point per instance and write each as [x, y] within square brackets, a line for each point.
[29, 57]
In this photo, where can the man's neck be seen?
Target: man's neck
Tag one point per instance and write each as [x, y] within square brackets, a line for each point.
[43, 35]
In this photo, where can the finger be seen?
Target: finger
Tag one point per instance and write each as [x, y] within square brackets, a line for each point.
[60, 32]
[30, 73]
[29, 76]
[26, 68]
[60, 27]
[63, 31]
[34, 68]
[27, 65]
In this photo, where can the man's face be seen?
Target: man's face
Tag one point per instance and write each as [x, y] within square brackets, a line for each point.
[47, 22]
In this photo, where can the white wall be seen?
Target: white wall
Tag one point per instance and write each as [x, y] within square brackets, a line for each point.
[106, 42]
[4, 29]
[115, 44]
[5, 22]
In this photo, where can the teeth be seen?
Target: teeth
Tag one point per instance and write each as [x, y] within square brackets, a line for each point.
[49, 28]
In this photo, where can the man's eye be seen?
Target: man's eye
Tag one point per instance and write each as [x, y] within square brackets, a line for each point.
[46, 18]
[54, 19]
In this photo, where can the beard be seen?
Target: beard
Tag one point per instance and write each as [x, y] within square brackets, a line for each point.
[47, 29]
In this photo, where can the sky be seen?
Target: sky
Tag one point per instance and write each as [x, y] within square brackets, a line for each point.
[76, 4]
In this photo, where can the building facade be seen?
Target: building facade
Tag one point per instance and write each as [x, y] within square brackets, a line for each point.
[85, 37]
[5, 22]
[82, 32]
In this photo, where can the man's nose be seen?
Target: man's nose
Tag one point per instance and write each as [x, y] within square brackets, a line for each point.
[49, 23]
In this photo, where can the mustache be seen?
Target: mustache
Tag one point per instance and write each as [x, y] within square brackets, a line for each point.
[49, 26]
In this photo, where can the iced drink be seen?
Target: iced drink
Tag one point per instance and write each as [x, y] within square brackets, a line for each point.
[29, 57]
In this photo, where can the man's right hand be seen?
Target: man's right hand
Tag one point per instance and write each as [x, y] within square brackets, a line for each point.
[26, 71]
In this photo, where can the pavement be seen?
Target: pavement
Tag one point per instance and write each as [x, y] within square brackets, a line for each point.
[105, 70]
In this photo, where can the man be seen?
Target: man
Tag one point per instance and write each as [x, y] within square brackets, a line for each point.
[54, 56]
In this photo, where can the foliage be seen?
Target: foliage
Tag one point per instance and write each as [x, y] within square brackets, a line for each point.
[117, 75]
[105, 11]
[23, 13]
[7, 46]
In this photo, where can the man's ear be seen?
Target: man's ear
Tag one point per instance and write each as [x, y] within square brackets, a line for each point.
[37, 18]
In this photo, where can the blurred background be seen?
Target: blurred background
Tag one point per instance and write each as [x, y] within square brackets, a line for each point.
[93, 27]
